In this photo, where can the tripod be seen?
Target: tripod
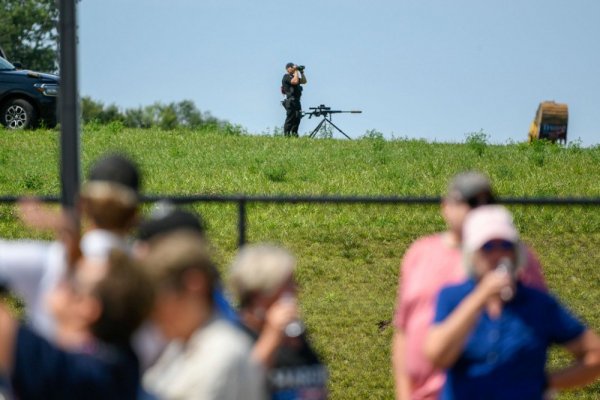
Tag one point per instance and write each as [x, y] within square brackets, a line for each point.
[325, 112]
[321, 125]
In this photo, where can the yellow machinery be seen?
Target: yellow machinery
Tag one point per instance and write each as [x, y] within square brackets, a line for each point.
[551, 120]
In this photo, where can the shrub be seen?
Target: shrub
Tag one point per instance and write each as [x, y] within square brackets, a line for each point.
[477, 141]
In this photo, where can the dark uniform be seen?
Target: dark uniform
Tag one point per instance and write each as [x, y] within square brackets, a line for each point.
[292, 105]
[297, 372]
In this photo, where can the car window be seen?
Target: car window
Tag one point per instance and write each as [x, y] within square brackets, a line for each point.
[5, 65]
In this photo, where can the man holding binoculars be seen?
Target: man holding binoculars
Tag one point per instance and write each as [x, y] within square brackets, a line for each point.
[290, 87]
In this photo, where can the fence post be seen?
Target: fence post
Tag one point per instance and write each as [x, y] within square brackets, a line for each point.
[69, 103]
[241, 222]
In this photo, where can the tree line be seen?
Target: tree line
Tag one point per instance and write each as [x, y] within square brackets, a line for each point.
[169, 116]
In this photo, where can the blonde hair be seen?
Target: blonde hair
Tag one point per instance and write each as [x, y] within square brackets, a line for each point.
[109, 205]
[260, 268]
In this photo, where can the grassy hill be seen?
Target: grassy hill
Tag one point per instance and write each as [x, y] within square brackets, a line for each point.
[348, 254]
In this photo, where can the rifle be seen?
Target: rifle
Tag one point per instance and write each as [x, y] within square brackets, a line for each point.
[325, 112]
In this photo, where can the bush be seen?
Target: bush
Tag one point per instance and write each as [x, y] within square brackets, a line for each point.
[372, 134]
[477, 141]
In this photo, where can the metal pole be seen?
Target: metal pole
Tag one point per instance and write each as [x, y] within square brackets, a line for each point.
[68, 103]
[241, 222]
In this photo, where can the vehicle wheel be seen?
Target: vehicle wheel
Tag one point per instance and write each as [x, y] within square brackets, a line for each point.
[18, 114]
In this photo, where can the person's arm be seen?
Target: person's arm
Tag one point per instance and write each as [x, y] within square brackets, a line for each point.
[445, 340]
[401, 380]
[295, 79]
[303, 78]
[278, 316]
[8, 334]
[22, 266]
[38, 216]
[402, 314]
[585, 369]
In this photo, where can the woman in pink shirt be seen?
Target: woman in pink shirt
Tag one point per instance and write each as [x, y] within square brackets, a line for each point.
[429, 264]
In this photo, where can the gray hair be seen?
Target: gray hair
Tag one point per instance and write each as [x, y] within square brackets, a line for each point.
[260, 269]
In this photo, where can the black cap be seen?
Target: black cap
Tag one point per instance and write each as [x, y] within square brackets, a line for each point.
[472, 188]
[289, 65]
[116, 168]
[167, 218]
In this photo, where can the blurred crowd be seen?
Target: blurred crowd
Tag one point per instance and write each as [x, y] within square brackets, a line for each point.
[128, 306]
[122, 305]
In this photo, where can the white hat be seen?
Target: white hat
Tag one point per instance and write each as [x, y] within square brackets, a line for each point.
[487, 223]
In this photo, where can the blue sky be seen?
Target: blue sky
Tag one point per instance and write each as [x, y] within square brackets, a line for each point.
[423, 69]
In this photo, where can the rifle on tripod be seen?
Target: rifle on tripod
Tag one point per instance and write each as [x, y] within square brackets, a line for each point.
[325, 112]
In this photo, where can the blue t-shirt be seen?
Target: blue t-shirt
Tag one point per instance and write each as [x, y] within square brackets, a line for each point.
[224, 307]
[42, 371]
[505, 357]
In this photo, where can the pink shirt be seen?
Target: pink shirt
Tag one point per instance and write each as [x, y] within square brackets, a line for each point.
[428, 265]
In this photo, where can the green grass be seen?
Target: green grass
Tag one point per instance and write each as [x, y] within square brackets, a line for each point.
[348, 254]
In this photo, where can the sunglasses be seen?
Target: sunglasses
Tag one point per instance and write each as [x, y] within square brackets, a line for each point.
[497, 245]
[481, 199]
[475, 201]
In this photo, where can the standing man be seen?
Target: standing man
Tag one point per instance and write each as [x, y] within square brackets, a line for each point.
[208, 358]
[431, 263]
[290, 87]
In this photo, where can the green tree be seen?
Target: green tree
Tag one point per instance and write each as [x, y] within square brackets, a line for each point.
[168, 117]
[188, 115]
[90, 109]
[136, 118]
[29, 33]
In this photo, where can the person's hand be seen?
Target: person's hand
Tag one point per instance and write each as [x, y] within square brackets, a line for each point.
[280, 314]
[277, 317]
[37, 215]
[493, 284]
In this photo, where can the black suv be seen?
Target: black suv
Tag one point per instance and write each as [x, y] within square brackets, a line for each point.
[26, 98]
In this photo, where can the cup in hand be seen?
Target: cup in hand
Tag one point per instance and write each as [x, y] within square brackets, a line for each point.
[295, 327]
